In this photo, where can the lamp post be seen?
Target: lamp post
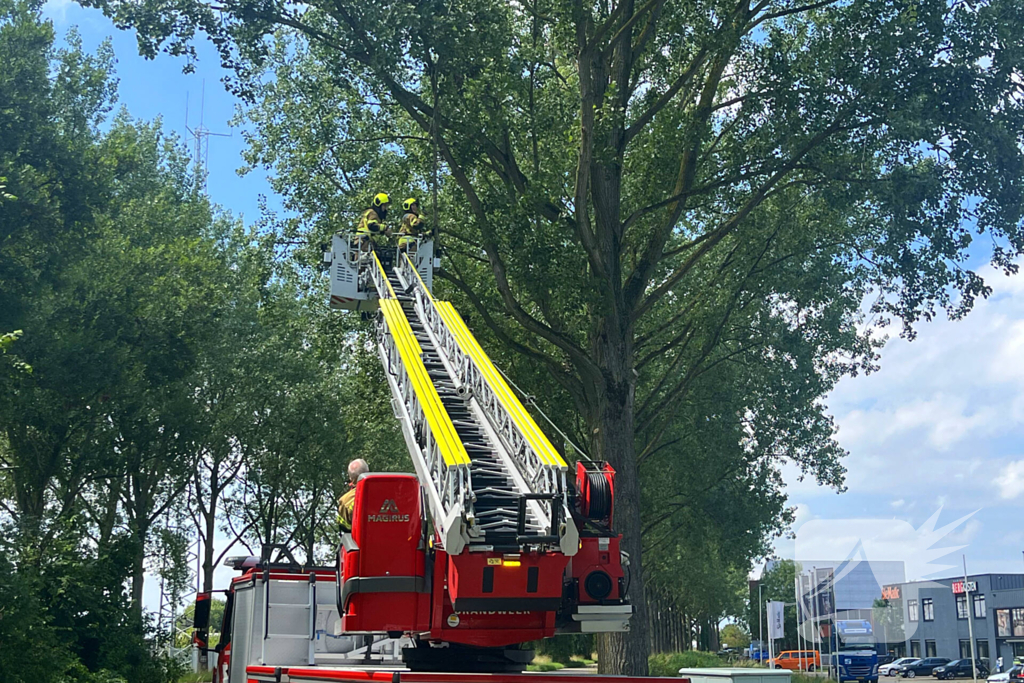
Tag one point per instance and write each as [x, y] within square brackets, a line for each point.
[970, 623]
[760, 618]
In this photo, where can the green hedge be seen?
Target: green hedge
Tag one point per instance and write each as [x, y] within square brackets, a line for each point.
[669, 663]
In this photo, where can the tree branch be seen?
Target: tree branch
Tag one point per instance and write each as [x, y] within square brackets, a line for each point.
[719, 233]
[695, 65]
[553, 365]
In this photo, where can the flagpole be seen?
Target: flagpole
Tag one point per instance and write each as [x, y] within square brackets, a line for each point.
[835, 621]
[760, 621]
[799, 645]
[816, 631]
[970, 623]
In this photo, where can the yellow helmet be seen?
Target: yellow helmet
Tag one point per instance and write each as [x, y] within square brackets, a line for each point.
[407, 204]
[380, 199]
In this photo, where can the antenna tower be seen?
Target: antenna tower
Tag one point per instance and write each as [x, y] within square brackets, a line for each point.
[199, 140]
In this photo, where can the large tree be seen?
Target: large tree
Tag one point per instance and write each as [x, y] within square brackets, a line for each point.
[661, 186]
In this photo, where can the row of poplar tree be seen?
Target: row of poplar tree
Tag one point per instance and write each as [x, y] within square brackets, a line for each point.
[167, 385]
[172, 381]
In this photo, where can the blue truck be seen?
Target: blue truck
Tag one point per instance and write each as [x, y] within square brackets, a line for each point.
[855, 655]
[756, 651]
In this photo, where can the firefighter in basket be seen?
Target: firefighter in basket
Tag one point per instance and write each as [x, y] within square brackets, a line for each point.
[371, 229]
[412, 225]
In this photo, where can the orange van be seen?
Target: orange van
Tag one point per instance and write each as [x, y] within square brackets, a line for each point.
[805, 660]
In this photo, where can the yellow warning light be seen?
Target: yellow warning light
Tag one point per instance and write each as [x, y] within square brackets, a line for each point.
[510, 563]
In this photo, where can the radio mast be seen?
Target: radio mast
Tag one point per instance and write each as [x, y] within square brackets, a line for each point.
[199, 140]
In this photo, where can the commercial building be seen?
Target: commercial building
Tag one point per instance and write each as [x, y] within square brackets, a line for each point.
[854, 584]
[934, 618]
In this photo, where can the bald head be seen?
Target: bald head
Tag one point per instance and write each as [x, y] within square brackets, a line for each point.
[356, 468]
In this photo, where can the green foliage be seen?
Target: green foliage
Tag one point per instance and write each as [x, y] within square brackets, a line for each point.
[666, 215]
[670, 212]
[777, 584]
[733, 635]
[669, 663]
[165, 343]
[201, 677]
[563, 648]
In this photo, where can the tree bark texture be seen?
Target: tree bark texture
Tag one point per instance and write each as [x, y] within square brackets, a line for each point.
[611, 418]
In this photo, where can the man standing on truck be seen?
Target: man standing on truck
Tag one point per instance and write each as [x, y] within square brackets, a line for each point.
[347, 503]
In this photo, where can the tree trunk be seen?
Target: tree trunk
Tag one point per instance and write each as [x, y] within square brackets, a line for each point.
[209, 523]
[138, 571]
[611, 424]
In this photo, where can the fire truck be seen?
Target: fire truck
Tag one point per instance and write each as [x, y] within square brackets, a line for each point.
[491, 542]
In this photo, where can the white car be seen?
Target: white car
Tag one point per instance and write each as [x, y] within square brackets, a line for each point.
[1013, 673]
[893, 668]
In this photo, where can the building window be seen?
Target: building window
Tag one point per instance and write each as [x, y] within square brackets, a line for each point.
[979, 606]
[961, 607]
[1018, 621]
[1003, 629]
[929, 647]
[912, 613]
[982, 649]
[915, 648]
[1018, 650]
[965, 648]
[928, 609]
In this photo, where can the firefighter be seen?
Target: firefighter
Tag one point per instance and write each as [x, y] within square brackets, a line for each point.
[347, 503]
[412, 225]
[371, 223]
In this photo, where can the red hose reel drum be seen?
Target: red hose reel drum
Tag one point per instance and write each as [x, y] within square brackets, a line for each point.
[595, 489]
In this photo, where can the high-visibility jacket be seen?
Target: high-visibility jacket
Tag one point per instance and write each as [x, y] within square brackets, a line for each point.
[346, 506]
[370, 223]
[412, 226]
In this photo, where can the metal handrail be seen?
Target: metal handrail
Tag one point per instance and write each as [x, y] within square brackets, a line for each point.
[442, 462]
[522, 438]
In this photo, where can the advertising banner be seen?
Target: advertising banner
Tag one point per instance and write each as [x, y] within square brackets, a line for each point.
[776, 619]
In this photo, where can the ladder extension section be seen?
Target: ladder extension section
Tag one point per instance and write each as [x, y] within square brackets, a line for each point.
[538, 472]
[438, 453]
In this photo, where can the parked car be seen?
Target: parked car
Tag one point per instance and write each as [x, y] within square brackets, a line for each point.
[1014, 673]
[893, 668]
[886, 659]
[922, 667]
[804, 660]
[959, 667]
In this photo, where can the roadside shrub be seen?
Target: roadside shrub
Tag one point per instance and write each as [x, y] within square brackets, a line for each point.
[669, 663]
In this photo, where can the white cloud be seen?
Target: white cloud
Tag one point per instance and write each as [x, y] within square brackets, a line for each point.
[58, 10]
[1011, 480]
[920, 550]
[939, 424]
[941, 408]
[967, 534]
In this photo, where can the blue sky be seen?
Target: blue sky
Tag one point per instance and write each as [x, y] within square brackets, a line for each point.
[939, 427]
[150, 89]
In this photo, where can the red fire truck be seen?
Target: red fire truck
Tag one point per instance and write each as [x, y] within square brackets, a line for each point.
[488, 545]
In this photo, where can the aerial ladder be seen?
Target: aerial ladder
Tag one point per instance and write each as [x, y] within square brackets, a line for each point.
[489, 545]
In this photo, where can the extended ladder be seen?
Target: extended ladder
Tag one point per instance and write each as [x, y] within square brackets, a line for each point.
[492, 479]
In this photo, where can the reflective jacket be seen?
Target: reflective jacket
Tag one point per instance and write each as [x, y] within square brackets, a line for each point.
[346, 505]
[412, 225]
[370, 223]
